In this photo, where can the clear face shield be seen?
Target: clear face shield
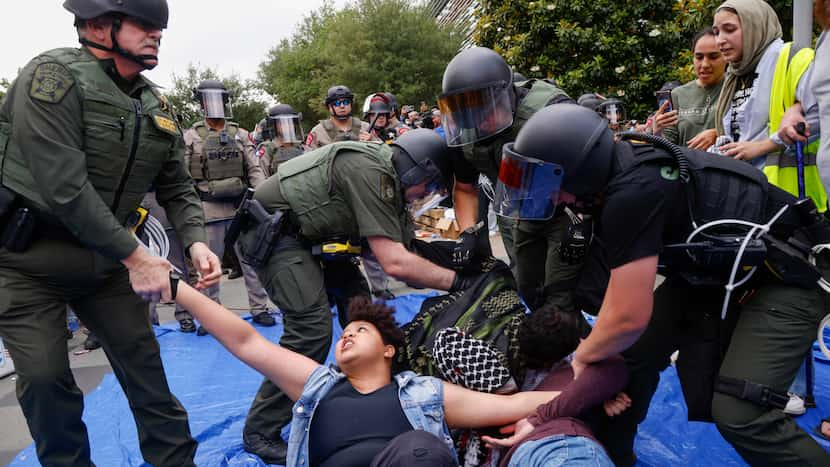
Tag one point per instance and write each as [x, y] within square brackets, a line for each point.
[527, 188]
[287, 128]
[472, 115]
[424, 188]
[614, 113]
[216, 103]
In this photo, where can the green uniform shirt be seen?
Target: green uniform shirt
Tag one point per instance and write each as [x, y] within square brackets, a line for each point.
[43, 116]
[364, 184]
[695, 107]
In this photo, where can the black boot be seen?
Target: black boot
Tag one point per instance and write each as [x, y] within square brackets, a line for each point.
[264, 319]
[269, 450]
[92, 342]
[187, 325]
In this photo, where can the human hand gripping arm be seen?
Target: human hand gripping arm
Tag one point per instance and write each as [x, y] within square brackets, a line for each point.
[286, 369]
[624, 315]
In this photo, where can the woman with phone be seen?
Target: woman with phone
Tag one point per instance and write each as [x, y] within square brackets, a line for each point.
[686, 114]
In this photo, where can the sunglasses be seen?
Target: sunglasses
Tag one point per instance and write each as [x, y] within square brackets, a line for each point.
[342, 102]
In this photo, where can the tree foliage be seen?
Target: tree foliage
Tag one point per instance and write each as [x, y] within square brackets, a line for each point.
[249, 102]
[620, 49]
[369, 46]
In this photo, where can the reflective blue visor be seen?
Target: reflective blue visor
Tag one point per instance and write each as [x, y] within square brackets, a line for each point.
[527, 188]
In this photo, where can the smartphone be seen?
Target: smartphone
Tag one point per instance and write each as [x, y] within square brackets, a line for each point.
[663, 96]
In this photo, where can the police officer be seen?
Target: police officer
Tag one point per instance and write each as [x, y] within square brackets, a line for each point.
[85, 135]
[481, 75]
[380, 118]
[340, 126]
[613, 110]
[344, 190]
[282, 138]
[652, 202]
[394, 120]
[222, 162]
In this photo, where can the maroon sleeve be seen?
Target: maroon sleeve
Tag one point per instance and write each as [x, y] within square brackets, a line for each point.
[598, 383]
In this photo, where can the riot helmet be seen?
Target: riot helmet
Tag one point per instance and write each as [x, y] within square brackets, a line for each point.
[151, 14]
[612, 110]
[421, 156]
[563, 147]
[285, 124]
[393, 102]
[377, 108]
[478, 97]
[590, 101]
[338, 96]
[214, 98]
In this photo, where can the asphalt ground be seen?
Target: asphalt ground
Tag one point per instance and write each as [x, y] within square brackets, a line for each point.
[89, 368]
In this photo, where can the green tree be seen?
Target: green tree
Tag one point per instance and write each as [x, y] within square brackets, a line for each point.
[369, 46]
[620, 49]
[248, 100]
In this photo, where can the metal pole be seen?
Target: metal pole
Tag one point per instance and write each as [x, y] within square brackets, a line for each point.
[802, 23]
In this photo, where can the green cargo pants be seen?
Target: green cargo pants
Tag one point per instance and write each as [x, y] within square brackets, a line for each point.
[37, 286]
[300, 286]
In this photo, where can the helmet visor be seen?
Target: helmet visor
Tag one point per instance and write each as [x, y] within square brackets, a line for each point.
[614, 113]
[527, 188]
[472, 115]
[287, 128]
[216, 103]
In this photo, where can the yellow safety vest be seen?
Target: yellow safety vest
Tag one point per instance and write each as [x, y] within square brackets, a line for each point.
[781, 169]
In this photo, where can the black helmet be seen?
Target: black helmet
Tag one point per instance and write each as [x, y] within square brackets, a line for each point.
[284, 124]
[281, 109]
[613, 110]
[590, 101]
[214, 98]
[393, 102]
[478, 97]
[151, 12]
[572, 137]
[379, 105]
[518, 77]
[423, 156]
[338, 92]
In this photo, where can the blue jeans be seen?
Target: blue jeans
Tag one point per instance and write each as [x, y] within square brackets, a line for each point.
[561, 450]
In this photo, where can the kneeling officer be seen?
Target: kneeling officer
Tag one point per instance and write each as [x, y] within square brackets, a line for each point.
[655, 205]
[346, 190]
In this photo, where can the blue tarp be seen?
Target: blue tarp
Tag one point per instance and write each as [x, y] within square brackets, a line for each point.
[217, 390]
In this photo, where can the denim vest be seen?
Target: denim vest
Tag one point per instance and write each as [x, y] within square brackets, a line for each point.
[422, 401]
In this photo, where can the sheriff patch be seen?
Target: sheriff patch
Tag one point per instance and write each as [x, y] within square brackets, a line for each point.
[387, 188]
[166, 124]
[309, 139]
[51, 82]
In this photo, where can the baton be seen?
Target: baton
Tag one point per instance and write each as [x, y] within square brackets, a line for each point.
[799, 160]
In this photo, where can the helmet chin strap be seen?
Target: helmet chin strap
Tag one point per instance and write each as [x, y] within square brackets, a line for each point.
[140, 59]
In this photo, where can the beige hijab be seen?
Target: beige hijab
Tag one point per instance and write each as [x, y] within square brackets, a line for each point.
[759, 27]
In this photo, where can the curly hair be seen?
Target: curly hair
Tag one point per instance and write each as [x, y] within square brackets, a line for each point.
[380, 315]
[548, 335]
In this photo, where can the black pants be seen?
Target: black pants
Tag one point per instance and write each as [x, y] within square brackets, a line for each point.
[415, 448]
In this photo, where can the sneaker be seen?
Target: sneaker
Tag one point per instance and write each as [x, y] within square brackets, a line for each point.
[795, 406]
[234, 274]
[269, 450]
[187, 325]
[264, 319]
[92, 342]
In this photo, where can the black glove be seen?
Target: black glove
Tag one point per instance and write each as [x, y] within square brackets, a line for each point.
[174, 284]
[462, 282]
[474, 243]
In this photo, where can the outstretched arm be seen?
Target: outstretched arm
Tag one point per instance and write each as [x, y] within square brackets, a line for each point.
[464, 408]
[288, 370]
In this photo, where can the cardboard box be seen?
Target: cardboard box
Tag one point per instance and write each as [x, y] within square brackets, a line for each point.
[448, 228]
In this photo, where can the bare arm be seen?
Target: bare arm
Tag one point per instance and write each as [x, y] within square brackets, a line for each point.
[465, 201]
[624, 315]
[288, 370]
[406, 266]
[464, 408]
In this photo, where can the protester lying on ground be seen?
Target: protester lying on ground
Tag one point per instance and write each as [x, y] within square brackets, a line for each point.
[557, 431]
[383, 409]
[687, 117]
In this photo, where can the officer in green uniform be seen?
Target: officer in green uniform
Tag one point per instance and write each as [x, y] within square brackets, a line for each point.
[82, 137]
[222, 162]
[282, 138]
[341, 191]
[481, 110]
[742, 334]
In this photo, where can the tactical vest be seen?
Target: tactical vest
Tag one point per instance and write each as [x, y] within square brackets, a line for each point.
[485, 156]
[126, 140]
[336, 135]
[281, 154]
[306, 184]
[781, 167]
[221, 157]
[721, 187]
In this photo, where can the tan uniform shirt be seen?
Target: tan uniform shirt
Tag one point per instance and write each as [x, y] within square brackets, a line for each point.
[318, 136]
[253, 171]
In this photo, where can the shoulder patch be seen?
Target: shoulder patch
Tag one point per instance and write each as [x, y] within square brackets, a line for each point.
[51, 82]
[309, 140]
[387, 188]
[260, 151]
[166, 124]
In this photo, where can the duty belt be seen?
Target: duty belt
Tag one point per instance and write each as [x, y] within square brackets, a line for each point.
[753, 392]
